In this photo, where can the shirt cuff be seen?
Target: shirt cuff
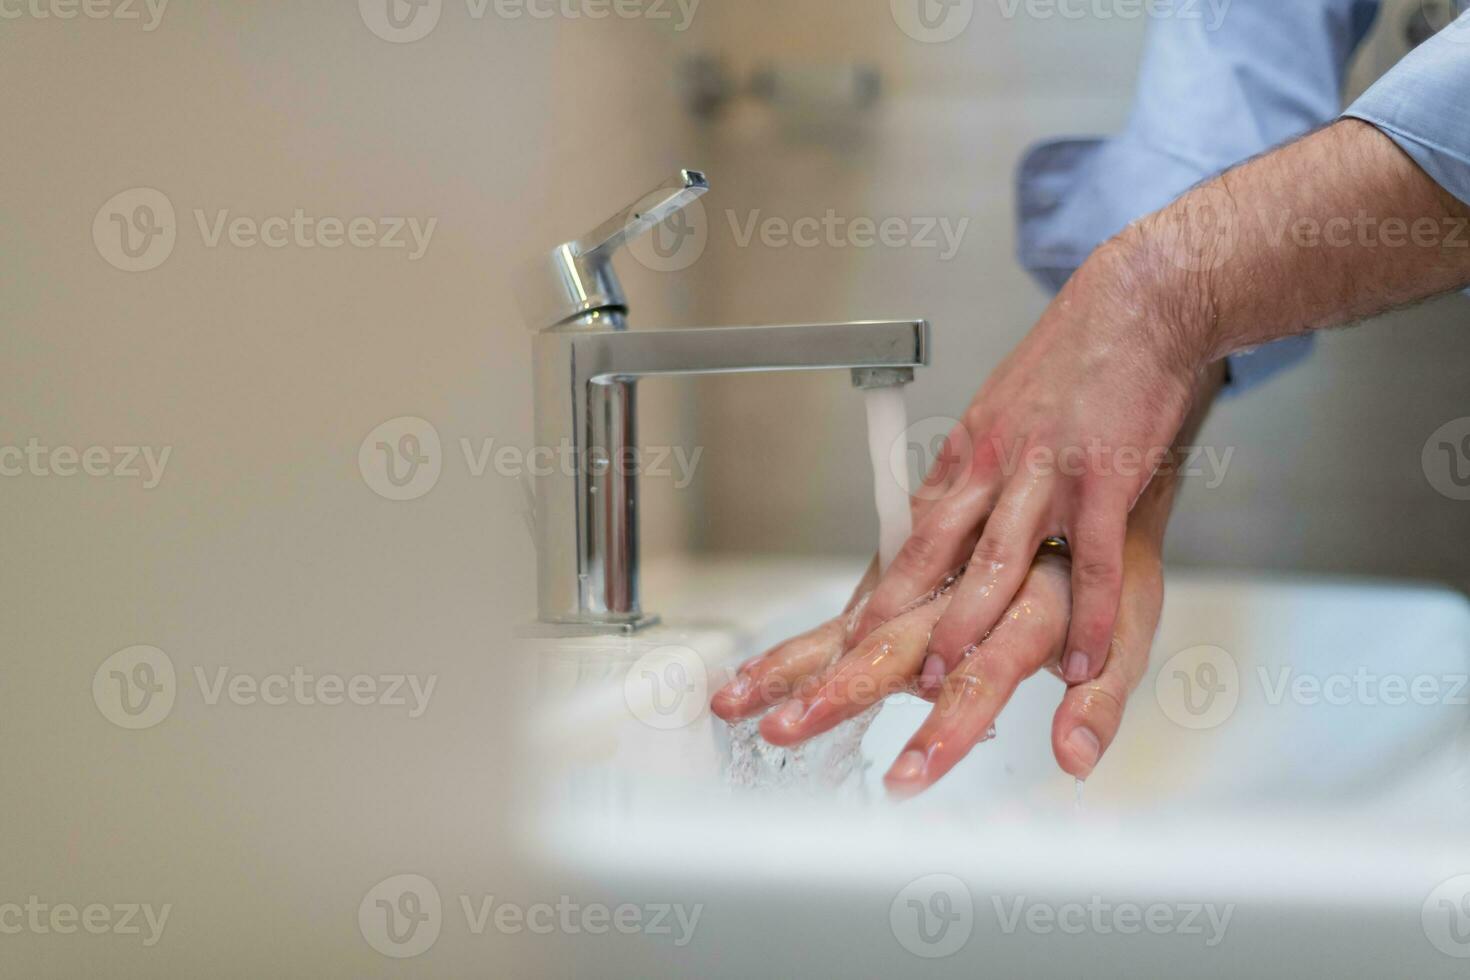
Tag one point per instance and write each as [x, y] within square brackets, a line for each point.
[1423, 105]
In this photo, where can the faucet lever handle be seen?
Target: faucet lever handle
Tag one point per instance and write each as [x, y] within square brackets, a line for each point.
[577, 278]
[668, 198]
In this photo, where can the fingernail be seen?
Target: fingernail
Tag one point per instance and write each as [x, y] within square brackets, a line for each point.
[1075, 669]
[1085, 748]
[933, 673]
[790, 714]
[908, 769]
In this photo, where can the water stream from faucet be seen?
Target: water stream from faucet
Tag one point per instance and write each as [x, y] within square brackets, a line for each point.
[834, 762]
[887, 420]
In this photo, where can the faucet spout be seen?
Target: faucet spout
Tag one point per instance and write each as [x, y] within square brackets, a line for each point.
[625, 355]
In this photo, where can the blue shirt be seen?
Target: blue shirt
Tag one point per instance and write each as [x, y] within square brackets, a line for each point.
[1211, 95]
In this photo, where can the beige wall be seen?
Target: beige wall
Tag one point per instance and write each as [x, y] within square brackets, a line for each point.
[263, 548]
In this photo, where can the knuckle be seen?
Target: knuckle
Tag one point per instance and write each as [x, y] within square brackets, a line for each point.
[991, 550]
[1005, 669]
[919, 552]
[1105, 698]
[1107, 574]
[950, 637]
[993, 668]
[877, 606]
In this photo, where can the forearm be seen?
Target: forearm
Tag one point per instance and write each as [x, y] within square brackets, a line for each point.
[1339, 226]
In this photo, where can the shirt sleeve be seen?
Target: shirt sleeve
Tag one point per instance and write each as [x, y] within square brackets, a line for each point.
[1423, 105]
[1214, 89]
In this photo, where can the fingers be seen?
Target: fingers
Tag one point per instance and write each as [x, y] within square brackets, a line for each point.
[998, 566]
[882, 665]
[973, 694]
[940, 542]
[1097, 588]
[1090, 714]
[772, 677]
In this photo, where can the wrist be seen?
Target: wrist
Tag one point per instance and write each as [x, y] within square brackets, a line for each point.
[1172, 263]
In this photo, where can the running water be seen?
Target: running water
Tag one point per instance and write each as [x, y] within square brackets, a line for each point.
[887, 420]
[834, 762]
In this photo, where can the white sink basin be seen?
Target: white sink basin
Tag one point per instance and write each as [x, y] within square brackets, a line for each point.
[1315, 804]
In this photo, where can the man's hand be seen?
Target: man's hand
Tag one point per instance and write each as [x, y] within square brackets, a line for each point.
[1071, 428]
[818, 681]
[1061, 441]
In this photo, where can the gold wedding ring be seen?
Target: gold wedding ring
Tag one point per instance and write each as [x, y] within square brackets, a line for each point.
[1056, 546]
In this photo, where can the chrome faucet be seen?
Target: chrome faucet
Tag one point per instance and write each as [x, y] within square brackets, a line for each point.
[587, 364]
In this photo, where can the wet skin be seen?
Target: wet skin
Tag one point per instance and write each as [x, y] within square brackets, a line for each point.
[844, 666]
[817, 686]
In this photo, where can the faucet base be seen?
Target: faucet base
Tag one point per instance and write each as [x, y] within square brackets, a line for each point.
[542, 630]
